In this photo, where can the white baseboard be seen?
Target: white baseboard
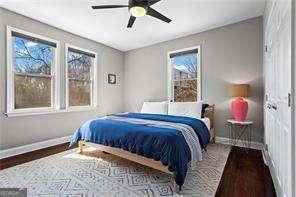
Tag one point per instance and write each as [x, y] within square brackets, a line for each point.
[31, 147]
[240, 143]
[275, 178]
[264, 155]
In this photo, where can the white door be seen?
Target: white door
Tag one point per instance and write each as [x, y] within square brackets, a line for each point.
[278, 135]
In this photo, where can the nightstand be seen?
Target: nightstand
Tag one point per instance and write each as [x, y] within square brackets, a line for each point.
[240, 132]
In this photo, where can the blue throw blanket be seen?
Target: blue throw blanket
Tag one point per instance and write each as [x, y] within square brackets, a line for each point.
[162, 144]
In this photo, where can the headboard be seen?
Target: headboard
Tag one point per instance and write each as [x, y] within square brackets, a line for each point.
[210, 113]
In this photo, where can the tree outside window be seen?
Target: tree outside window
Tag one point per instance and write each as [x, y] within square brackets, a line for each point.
[32, 66]
[80, 66]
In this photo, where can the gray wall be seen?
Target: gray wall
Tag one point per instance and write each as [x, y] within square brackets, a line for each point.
[230, 54]
[17, 131]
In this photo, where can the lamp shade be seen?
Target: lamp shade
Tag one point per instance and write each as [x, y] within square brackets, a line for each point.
[239, 90]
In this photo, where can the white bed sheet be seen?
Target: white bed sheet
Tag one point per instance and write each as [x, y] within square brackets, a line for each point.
[207, 121]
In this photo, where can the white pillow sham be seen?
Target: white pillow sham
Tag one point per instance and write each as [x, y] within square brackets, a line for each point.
[189, 109]
[155, 107]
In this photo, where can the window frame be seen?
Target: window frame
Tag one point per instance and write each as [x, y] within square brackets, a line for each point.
[55, 75]
[170, 81]
[94, 80]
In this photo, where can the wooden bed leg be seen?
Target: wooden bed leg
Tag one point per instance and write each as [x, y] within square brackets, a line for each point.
[81, 145]
[176, 187]
[214, 140]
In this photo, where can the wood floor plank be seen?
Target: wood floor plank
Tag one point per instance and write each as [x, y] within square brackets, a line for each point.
[245, 175]
[30, 156]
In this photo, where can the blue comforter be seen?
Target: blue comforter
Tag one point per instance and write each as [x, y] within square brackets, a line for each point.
[162, 144]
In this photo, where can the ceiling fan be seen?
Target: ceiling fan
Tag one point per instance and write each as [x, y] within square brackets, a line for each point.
[138, 8]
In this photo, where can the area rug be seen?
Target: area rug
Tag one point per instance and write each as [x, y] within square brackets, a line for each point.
[98, 174]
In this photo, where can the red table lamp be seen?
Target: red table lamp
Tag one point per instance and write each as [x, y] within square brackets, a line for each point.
[239, 106]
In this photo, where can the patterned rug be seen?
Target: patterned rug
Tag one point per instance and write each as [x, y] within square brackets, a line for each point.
[98, 174]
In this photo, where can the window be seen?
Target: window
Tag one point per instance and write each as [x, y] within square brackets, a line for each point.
[184, 75]
[81, 69]
[31, 68]
[34, 79]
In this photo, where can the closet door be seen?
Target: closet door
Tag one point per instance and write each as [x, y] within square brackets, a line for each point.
[278, 93]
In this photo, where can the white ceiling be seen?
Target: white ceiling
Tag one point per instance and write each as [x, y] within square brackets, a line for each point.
[109, 26]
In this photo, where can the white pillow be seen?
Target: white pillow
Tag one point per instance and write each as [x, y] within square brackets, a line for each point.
[189, 109]
[155, 107]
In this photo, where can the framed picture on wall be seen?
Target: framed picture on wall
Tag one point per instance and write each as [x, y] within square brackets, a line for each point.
[111, 78]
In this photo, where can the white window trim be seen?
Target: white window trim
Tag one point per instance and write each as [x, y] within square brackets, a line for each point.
[94, 81]
[170, 90]
[55, 85]
[46, 112]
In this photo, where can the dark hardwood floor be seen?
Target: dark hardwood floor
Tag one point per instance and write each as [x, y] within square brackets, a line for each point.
[245, 174]
[26, 157]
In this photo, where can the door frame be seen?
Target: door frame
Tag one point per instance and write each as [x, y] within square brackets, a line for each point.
[293, 99]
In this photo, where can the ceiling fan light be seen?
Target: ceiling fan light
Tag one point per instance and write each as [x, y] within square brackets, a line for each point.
[138, 11]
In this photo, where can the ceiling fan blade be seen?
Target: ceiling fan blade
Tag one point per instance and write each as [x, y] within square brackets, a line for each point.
[155, 14]
[108, 6]
[131, 21]
[151, 2]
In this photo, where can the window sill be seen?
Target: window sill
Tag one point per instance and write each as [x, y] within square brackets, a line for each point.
[47, 112]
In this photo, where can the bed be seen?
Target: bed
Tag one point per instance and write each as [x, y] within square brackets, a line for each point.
[164, 142]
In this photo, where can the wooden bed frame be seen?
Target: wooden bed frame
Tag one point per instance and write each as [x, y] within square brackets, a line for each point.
[209, 113]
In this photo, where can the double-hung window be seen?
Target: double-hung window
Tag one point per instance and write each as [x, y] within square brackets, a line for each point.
[81, 77]
[34, 77]
[31, 72]
[184, 80]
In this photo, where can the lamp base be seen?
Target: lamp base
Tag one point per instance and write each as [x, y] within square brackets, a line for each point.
[239, 109]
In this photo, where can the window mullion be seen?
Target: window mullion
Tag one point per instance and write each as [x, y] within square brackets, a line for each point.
[189, 79]
[33, 75]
